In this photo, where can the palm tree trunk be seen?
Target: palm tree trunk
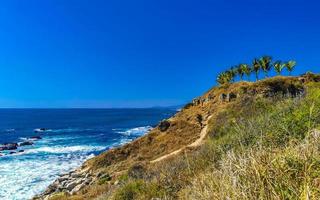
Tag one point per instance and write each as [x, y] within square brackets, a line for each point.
[257, 77]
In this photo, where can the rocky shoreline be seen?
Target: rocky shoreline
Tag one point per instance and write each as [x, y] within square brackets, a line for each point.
[69, 183]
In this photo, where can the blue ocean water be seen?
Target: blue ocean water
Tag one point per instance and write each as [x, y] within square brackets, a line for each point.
[71, 137]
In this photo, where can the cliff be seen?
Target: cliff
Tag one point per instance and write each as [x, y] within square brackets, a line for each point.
[165, 163]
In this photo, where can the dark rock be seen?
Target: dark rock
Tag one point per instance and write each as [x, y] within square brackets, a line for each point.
[164, 125]
[35, 138]
[71, 185]
[231, 96]
[26, 143]
[12, 152]
[199, 119]
[9, 146]
[223, 97]
[77, 189]
[20, 151]
[196, 101]
[39, 130]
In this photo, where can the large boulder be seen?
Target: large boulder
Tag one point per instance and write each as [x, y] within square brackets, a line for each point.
[35, 138]
[164, 125]
[9, 146]
[77, 188]
[26, 143]
[70, 186]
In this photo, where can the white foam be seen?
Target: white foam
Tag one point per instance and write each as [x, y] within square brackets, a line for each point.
[138, 131]
[21, 179]
[39, 130]
[66, 149]
[10, 130]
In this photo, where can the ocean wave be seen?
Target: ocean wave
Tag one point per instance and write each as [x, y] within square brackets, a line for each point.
[10, 130]
[66, 149]
[138, 131]
[68, 130]
[18, 177]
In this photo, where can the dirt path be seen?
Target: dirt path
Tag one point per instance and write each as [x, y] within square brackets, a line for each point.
[196, 143]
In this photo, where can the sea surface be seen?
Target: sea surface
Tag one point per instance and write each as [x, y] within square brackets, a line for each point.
[71, 137]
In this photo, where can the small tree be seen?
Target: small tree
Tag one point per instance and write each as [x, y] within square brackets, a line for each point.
[290, 66]
[247, 70]
[240, 70]
[224, 78]
[265, 63]
[232, 72]
[278, 66]
[256, 68]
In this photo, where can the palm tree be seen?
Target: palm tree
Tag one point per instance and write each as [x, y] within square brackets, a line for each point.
[232, 72]
[224, 78]
[220, 79]
[278, 66]
[240, 71]
[247, 70]
[290, 66]
[265, 63]
[256, 68]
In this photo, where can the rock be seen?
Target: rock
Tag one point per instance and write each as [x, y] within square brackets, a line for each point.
[70, 186]
[87, 175]
[39, 130]
[79, 181]
[199, 119]
[63, 178]
[26, 143]
[164, 125]
[100, 174]
[9, 146]
[35, 138]
[12, 152]
[75, 175]
[77, 188]
[88, 181]
[50, 189]
[20, 151]
[222, 97]
[196, 101]
[231, 96]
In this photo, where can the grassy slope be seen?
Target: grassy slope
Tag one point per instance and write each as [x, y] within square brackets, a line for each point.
[258, 148]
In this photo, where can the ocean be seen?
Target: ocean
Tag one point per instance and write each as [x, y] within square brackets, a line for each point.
[68, 138]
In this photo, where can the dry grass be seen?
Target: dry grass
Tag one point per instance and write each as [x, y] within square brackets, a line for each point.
[258, 149]
[262, 173]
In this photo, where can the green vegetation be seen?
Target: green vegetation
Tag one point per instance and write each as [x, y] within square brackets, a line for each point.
[264, 64]
[261, 143]
[260, 148]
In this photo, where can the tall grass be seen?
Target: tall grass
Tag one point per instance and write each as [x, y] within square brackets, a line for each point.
[259, 149]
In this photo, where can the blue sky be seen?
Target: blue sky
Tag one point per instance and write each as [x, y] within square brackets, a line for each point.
[76, 53]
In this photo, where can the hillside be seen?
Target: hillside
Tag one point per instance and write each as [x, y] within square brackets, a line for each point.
[245, 140]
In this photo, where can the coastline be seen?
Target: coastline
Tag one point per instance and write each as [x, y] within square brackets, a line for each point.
[182, 133]
[75, 180]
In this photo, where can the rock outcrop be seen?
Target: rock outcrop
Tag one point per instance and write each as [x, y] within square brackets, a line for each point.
[69, 183]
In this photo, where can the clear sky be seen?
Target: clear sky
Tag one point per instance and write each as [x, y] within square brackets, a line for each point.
[76, 53]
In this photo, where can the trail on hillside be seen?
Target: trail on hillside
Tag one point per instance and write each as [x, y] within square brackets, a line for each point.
[196, 143]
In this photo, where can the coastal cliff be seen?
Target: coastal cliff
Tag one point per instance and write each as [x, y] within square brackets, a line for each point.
[167, 162]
